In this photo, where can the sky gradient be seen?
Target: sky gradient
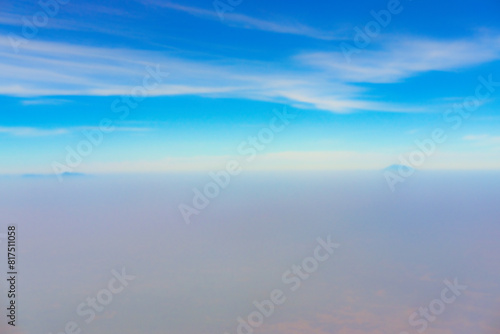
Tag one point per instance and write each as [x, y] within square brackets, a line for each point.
[213, 80]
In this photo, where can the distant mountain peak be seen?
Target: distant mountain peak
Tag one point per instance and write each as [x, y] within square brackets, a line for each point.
[398, 167]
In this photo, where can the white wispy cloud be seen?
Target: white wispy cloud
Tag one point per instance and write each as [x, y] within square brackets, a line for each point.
[23, 131]
[115, 128]
[401, 58]
[296, 160]
[483, 139]
[312, 80]
[32, 132]
[467, 160]
[291, 160]
[17, 21]
[247, 22]
[57, 69]
[475, 137]
[34, 102]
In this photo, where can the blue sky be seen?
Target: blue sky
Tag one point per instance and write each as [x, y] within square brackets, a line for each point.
[220, 78]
